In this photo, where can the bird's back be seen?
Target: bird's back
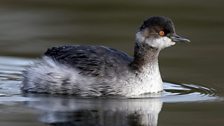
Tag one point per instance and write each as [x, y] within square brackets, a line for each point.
[90, 60]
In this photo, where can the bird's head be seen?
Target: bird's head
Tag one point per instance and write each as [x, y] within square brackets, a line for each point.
[158, 32]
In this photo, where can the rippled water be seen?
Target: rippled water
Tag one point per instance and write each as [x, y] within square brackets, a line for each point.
[108, 111]
[195, 96]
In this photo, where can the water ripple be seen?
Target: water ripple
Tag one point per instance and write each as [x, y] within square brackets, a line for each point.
[11, 76]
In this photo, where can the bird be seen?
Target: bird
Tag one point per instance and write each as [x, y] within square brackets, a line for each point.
[88, 70]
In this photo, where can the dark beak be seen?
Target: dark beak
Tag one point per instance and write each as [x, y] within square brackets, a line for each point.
[177, 38]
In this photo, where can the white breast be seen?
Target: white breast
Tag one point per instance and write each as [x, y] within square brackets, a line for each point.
[147, 81]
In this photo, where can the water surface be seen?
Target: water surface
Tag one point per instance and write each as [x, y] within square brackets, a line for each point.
[105, 111]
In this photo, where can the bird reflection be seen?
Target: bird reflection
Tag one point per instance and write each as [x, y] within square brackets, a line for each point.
[64, 111]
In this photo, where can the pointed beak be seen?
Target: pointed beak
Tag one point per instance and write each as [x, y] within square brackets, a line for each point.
[177, 38]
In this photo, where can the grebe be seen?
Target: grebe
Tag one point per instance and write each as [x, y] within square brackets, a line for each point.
[101, 71]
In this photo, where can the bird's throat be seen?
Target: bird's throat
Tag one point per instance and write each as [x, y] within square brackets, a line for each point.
[145, 56]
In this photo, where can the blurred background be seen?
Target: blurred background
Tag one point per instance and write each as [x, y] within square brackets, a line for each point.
[29, 27]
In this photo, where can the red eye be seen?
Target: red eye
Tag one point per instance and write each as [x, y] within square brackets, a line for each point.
[161, 33]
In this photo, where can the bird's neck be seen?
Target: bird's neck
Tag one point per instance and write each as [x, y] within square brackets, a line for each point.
[146, 68]
[145, 58]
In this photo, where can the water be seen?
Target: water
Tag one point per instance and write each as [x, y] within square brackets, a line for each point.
[104, 111]
[193, 72]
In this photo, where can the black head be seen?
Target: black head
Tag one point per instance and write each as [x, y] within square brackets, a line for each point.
[159, 26]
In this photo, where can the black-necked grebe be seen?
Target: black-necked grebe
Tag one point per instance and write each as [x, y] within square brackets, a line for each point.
[99, 71]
